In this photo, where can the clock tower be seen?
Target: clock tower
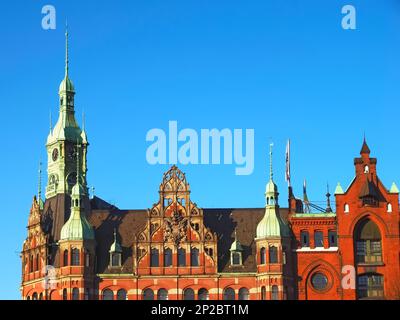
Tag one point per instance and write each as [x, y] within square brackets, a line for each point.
[62, 143]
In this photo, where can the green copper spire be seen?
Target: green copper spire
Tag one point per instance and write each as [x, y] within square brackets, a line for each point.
[271, 224]
[393, 188]
[66, 50]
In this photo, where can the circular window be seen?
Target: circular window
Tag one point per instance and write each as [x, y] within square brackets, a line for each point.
[319, 281]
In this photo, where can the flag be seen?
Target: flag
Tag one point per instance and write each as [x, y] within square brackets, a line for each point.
[287, 171]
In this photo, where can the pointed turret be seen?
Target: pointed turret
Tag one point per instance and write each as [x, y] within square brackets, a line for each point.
[365, 148]
[271, 224]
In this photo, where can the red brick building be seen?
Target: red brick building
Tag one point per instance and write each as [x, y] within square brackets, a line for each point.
[82, 248]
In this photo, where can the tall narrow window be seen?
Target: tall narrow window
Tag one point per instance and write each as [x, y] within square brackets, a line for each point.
[262, 255]
[87, 259]
[389, 208]
[75, 294]
[87, 294]
[75, 257]
[65, 258]
[273, 254]
[181, 257]
[244, 294]
[167, 257]
[275, 293]
[332, 238]
[31, 263]
[64, 294]
[37, 262]
[154, 258]
[304, 239]
[194, 257]
[346, 208]
[318, 239]
[263, 293]
[115, 259]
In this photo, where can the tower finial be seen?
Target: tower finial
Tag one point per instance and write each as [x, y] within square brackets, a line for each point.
[77, 161]
[40, 182]
[66, 49]
[328, 199]
[271, 174]
[83, 120]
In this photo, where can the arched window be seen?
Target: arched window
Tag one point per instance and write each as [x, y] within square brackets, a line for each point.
[148, 294]
[41, 296]
[65, 258]
[263, 293]
[318, 239]
[274, 293]
[154, 261]
[229, 294]
[75, 257]
[188, 294]
[203, 294]
[273, 254]
[121, 294]
[194, 257]
[244, 294]
[167, 257]
[262, 255]
[181, 257]
[37, 262]
[31, 265]
[65, 294]
[346, 208]
[108, 294]
[162, 294]
[368, 242]
[28, 298]
[34, 296]
[370, 285]
[304, 239]
[389, 208]
[75, 294]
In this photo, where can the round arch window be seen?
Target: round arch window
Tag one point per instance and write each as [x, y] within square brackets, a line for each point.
[319, 281]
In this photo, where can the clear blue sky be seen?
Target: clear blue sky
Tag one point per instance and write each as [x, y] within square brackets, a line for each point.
[285, 68]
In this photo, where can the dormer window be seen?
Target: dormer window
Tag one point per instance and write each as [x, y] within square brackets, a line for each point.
[115, 258]
[236, 258]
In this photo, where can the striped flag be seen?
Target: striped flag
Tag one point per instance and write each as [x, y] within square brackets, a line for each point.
[287, 171]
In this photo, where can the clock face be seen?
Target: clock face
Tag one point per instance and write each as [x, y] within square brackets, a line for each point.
[55, 154]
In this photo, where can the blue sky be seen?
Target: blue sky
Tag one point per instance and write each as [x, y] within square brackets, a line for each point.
[283, 68]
